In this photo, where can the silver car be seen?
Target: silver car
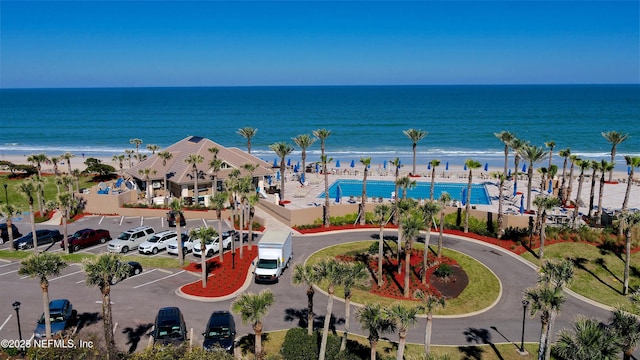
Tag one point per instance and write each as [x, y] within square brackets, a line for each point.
[157, 242]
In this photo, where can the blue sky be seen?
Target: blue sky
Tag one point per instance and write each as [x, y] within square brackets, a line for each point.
[211, 43]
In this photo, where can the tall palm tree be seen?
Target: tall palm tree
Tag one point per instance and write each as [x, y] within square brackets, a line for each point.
[146, 173]
[67, 157]
[329, 270]
[412, 223]
[533, 155]
[434, 164]
[544, 204]
[306, 275]
[506, 137]
[205, 234]
[574, 160]
[629, 220]
[376, 321]
[366, 161]
[140, 157]
[429, 211]
[429, 302]
[550, 145]
[193, 160]
[252, 309]
[615, 138]
[471, 165]
[248, 133]
[54, 160]
[43, 266]
[627, 328]
[165, 156]
[444, 199]
[38, 185]
[604, 166]
[27, 188]
[251, 200]
[8, 211]
[282, 150]
[404, 317]
[326, 213]
[501, 180]
[405, 183]
[215, 165]
[565, 153]
[381, 214]
[353, 274]
[414, 135]
[214, 150]
[232, 184]
[153, 148]
[217, 202]
[583, 165]
[66, 202]
[304, 141]
[119, 159]
[176, 206]
[595, 166]
[76, 173]
[137, 142]
[322, 135]
[102, 271]
[128, 154]
[396, 165]
[632, 162]
[589, 340]
[404, 206]
[516, 145]
[37, 160]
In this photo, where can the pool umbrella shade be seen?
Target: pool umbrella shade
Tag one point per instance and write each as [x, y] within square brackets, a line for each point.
[524, 167]
[446, 167]
[317, 168]
[384, 164]
[464, 196]
[509, 174]
[550, 189]
[288, 162]
[269, 179]
[465, 167]
[486, 166]
[428, 166]
[522, 204]
[337, 163]
[302, 178]
[338, 194]
[515, 189]
[278, 175]
[353, 163]
[275, 162]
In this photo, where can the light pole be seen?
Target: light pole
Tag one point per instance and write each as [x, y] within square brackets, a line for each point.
[525, 303]
[16, 307]
[6, 198]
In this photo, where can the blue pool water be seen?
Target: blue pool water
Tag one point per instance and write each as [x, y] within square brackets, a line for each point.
[380, 188]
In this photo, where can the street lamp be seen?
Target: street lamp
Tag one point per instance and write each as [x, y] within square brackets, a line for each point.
[16, 307]
[6, 198]
[525, 303]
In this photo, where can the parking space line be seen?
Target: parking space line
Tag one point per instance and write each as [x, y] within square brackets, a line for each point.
[9, 272]
[141, 220]
[64, 276]
[10, 263]
[4, 260]
[5, 322]
[165, 271]
[166, 277]
[121, 220]
[100, 221]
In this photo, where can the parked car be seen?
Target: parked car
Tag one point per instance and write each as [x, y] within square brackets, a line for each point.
[212, 246]
[187, 245]
[157, 242]
[171, 219]
[130, 239]
[169, 327]
[134, 269]
[44, 236]
[86, 237]
[62, 317]
[4, 233]
[220, 330]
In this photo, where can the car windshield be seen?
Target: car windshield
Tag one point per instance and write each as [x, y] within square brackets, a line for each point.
[52, 317]
[124, 236]
[267, 264]
[169, 331]
[77, 234]
[221, 331]
[154, 239]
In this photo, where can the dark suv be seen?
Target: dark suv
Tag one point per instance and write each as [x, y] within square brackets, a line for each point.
[171, 219]
[4, 234]
[220, 330]
[169, 327]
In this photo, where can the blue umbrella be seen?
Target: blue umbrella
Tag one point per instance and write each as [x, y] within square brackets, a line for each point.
[275, 162]
[384, 164]
[522, 205]
[302, 178]
[550, 189]
[465, 166]
[298, 164]
[353, 163]
[278, 175]
[317, 168]
[337, 163]
[428, 166]
[446, 167]
[288, 162]
[524, 167]
[295, 168]
[464, 196]
[269, 179]
[338, 195]
[515, 189]
[486, 166]
[509, 175]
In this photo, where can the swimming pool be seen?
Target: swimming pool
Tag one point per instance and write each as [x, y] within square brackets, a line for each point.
[381, 188]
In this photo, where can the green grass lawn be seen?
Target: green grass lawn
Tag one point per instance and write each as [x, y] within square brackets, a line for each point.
[146, 262]
[600, 273]
[482, 291]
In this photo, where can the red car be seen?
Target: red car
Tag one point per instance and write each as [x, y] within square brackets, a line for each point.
[86, 237]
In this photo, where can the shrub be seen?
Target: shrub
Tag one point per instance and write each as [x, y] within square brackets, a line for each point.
[444, 271]
[297, 345]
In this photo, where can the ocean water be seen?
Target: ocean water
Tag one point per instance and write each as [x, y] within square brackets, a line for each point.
[364, 120]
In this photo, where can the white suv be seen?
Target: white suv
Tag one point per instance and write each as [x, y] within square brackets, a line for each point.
[212, 246]
[157, 242]
[187, 245]
[130, 239]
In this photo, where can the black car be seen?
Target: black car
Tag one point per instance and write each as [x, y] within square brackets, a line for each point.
[134, 269]
[43, 236]
[62, 317]
[171, 219]
[169, 327]
[220, 330]
[4, 234]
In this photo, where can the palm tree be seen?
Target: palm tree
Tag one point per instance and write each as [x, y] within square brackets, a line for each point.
[429, 211]
[176, 207]
[67, 157]
[534, 155]
[551, 145]
[43, 266]
[516, 145]
[282, 150]
[140, 157]
[574, 160]
[404, 207]
[252, 309]
[76, 173]
[153, 148]
[605, 167]
[137, 142]
[232, 184]
[501, 180]
[381, 214]
[118, 159]
[306, 274]
[215, 165]
[252, 200]
[66, 202]
[352, 274]
[217, 202]
[248, 133]
[396, 164]
[404, 317]
[590, 340]
[506, 137]
[38, 185]
[632, 162]
[146, 173]
[54, 160]
[583, 165]
[9, 211]
[412, 223]
[614, 138]
[366, 161]
[376, 321]
[322, 135]
[565, 153]
[194, 160]
[444, 199]
[326, 215]
[471, 164]
[429, 303]
[434, 164]
[595, 166]
[414, 135]
[205, 234]
[304, 141]
[544, 203]
[328, 270]
[405, 183]
[165, 156]
[627, 328]
[37, 160]
[629, 220]
[128, 153]
[102, 271]
[27, 188]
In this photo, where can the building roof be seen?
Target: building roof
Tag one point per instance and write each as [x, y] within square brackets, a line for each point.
[180, 172]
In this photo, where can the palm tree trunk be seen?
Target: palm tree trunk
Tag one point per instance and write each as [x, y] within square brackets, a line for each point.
[107, 321]
[241, 223]
[468, 205]
[552, 320]
[180, 247]
[440, 235]
[407, 268]
[542, 235]
[310, 293]
[414, 158]
[32, 217]
[561, 193]
[282, 179]
[544, 339]
[627, 194]
[65, 238]
[600, 195]
[373, 344]
[257, 328]
[380, 253]
[427, 334]
[327, 220]
[325, 329]
[44, 286]
[364, 197]
[500, 206]
[221, 253]
[627, 261]
[577, 207]
[203, 263]
[433, 179]
[399, 248]
[529, 185]
[570, 184]
[516, 162]
[347, 317]
[401, 344]
[593, 192]
[425, 256]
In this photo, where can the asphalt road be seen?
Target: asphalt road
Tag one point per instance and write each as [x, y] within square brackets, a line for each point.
[136, 300]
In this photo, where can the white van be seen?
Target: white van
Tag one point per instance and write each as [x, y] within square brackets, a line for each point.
[130, 239]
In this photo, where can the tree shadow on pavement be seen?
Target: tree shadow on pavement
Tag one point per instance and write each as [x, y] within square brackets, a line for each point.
[134, 335]
[481, 336]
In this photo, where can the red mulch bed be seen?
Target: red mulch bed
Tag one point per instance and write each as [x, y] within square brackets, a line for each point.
[222, 279]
